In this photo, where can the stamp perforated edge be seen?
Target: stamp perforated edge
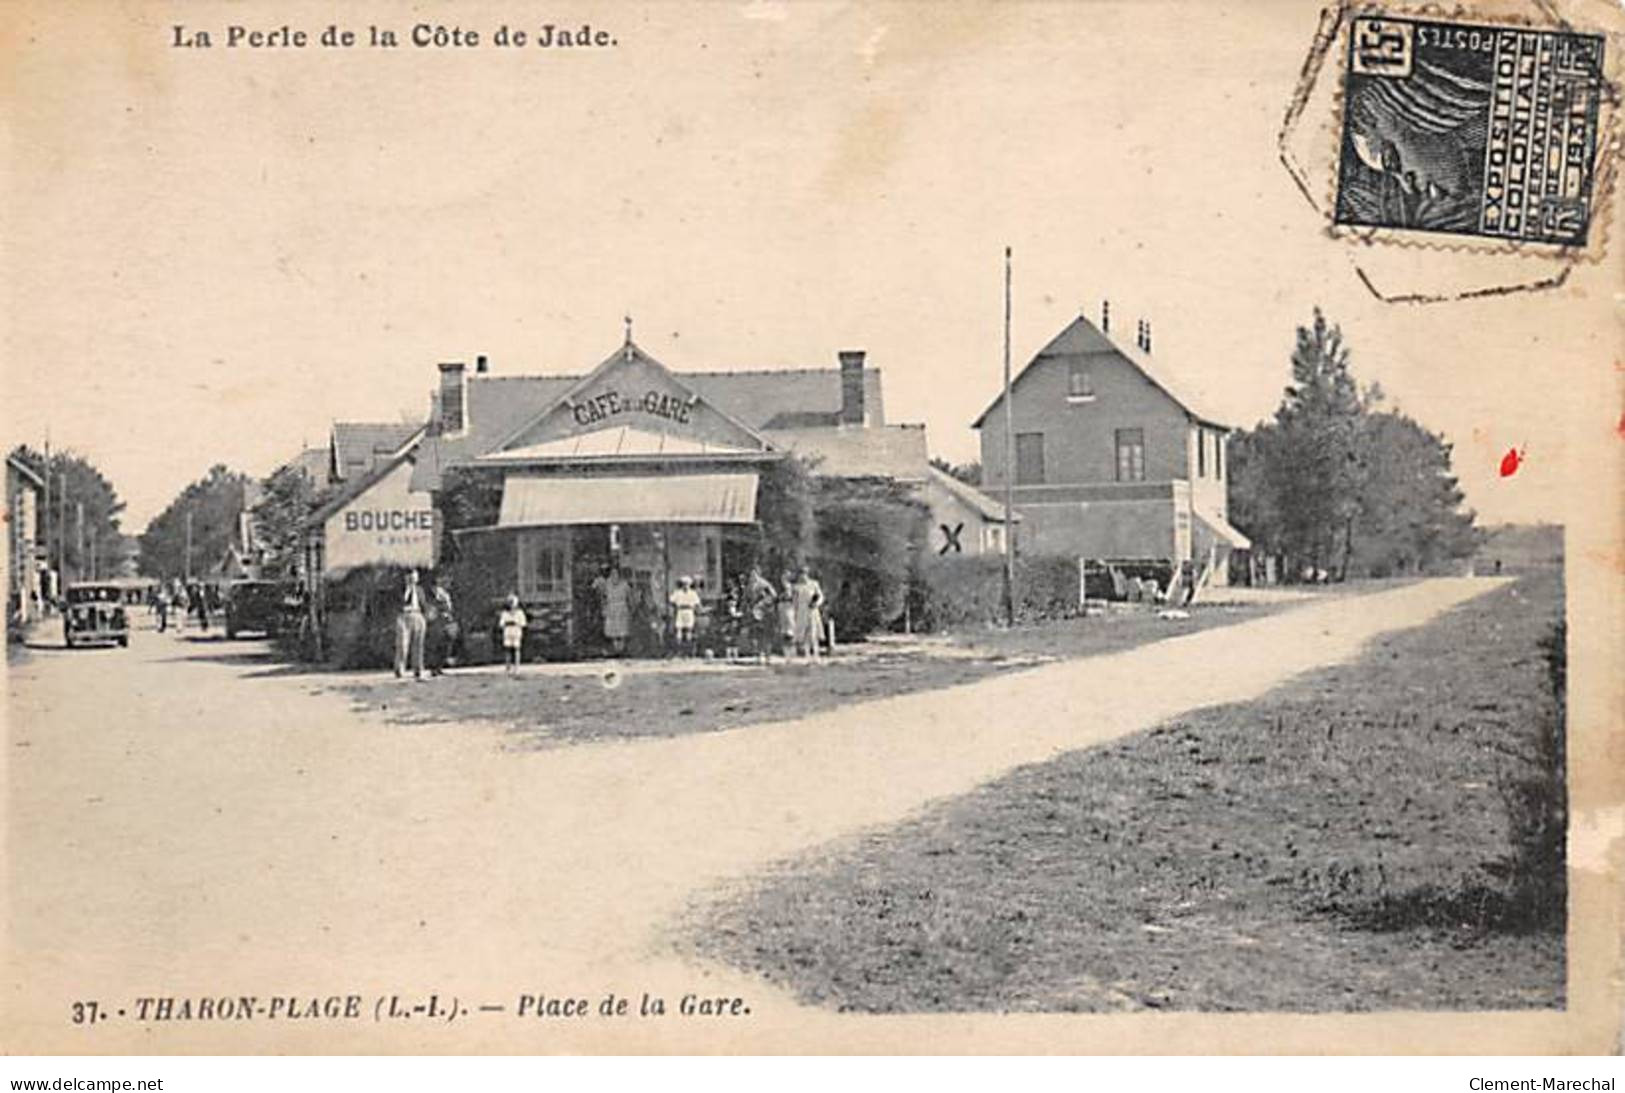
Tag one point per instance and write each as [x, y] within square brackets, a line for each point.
[1330, 39]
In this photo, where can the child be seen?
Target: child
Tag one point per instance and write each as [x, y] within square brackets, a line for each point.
[685, 604]
[512, 621]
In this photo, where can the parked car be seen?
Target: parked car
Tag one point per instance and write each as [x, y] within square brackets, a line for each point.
[93, 614]
[259, 606]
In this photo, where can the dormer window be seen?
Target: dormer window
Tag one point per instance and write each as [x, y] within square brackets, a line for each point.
[1080, 385]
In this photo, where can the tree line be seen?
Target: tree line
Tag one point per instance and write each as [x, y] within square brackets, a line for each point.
[1335, 486]
[79, 518]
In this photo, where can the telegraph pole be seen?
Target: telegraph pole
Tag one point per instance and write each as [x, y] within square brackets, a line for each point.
[187, 565]
[1009, 465]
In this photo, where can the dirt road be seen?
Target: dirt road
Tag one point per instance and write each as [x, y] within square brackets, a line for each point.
[183, 822]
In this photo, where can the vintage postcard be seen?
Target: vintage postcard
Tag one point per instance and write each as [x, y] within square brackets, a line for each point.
[814, 527]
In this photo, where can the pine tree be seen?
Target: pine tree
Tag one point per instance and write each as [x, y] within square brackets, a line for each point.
[1333, 486]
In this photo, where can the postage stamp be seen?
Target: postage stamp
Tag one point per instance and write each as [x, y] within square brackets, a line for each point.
[1470, 130]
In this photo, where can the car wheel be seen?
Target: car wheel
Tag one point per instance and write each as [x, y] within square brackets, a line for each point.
[124, 642]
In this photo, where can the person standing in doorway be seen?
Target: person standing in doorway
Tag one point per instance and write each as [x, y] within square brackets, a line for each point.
[410, 629]
[685, 604]
[512, 622]
[615, 603]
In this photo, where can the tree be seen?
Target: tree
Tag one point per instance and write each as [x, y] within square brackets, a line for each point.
[289, 498]
[1331, 485]
[213, 505]
[81, 529]
[870, 535]
[1410, 517]
[968, 473]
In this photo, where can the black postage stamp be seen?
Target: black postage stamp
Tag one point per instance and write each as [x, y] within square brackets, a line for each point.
[1461, 129]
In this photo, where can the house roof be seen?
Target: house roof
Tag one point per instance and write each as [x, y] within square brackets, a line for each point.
[1083, 338]
[856, 451]
[312, 462]
[975, 499]
[620, 441]
[365, 442]
[356, 487]
[498, 407]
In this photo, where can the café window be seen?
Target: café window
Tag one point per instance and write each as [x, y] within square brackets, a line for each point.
[1131, 455]
[1029, 459]
[1218, 456]
[1201, 452]
[1080, 385]
[544, 558]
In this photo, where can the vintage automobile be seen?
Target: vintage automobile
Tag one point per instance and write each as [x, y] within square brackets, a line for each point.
[94, 614]
[259, 606]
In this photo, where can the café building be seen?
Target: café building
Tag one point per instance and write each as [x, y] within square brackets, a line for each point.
[633, 467]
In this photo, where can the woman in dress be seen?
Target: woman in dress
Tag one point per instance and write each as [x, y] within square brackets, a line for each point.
[615, 599]
[809, 614]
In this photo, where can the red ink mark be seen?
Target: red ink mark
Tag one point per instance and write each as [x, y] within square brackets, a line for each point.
[1620, 428]
[1510, 462]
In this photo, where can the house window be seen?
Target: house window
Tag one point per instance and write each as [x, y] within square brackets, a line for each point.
[1079, 384]
[1131, 455]
[1218, 456]
[1029, 459]
[1201, 452]
[543, 564]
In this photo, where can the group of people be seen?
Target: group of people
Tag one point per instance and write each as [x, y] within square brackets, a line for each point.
[786, 619]
[757, 618]
[197, 599]
[427, 634]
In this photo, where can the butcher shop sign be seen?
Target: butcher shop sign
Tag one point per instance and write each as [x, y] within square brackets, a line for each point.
[386, 524]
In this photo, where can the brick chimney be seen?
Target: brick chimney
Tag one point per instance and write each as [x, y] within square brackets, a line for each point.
[852, 408]
[453, 391]
[482, 364]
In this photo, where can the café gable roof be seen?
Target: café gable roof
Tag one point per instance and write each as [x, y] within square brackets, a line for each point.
[634, 441]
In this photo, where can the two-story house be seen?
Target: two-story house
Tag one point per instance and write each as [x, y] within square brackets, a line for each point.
[1111, 465]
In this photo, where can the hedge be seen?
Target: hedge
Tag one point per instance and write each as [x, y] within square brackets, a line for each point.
[969, 591]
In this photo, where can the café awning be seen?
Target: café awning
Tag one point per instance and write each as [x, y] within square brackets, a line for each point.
[535, 501]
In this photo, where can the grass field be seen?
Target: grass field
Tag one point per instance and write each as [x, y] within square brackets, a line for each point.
[1339, 845]
[548, 707]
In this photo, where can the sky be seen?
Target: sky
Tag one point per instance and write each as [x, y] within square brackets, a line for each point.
[214, 254]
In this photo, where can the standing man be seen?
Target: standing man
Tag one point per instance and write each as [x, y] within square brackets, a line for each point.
[163, 607]
[410, 629]
[200, 600]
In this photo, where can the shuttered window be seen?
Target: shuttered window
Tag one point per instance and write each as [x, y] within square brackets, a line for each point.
[1029, 459]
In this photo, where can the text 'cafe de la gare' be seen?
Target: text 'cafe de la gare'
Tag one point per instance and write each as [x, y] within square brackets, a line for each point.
[633, 465]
